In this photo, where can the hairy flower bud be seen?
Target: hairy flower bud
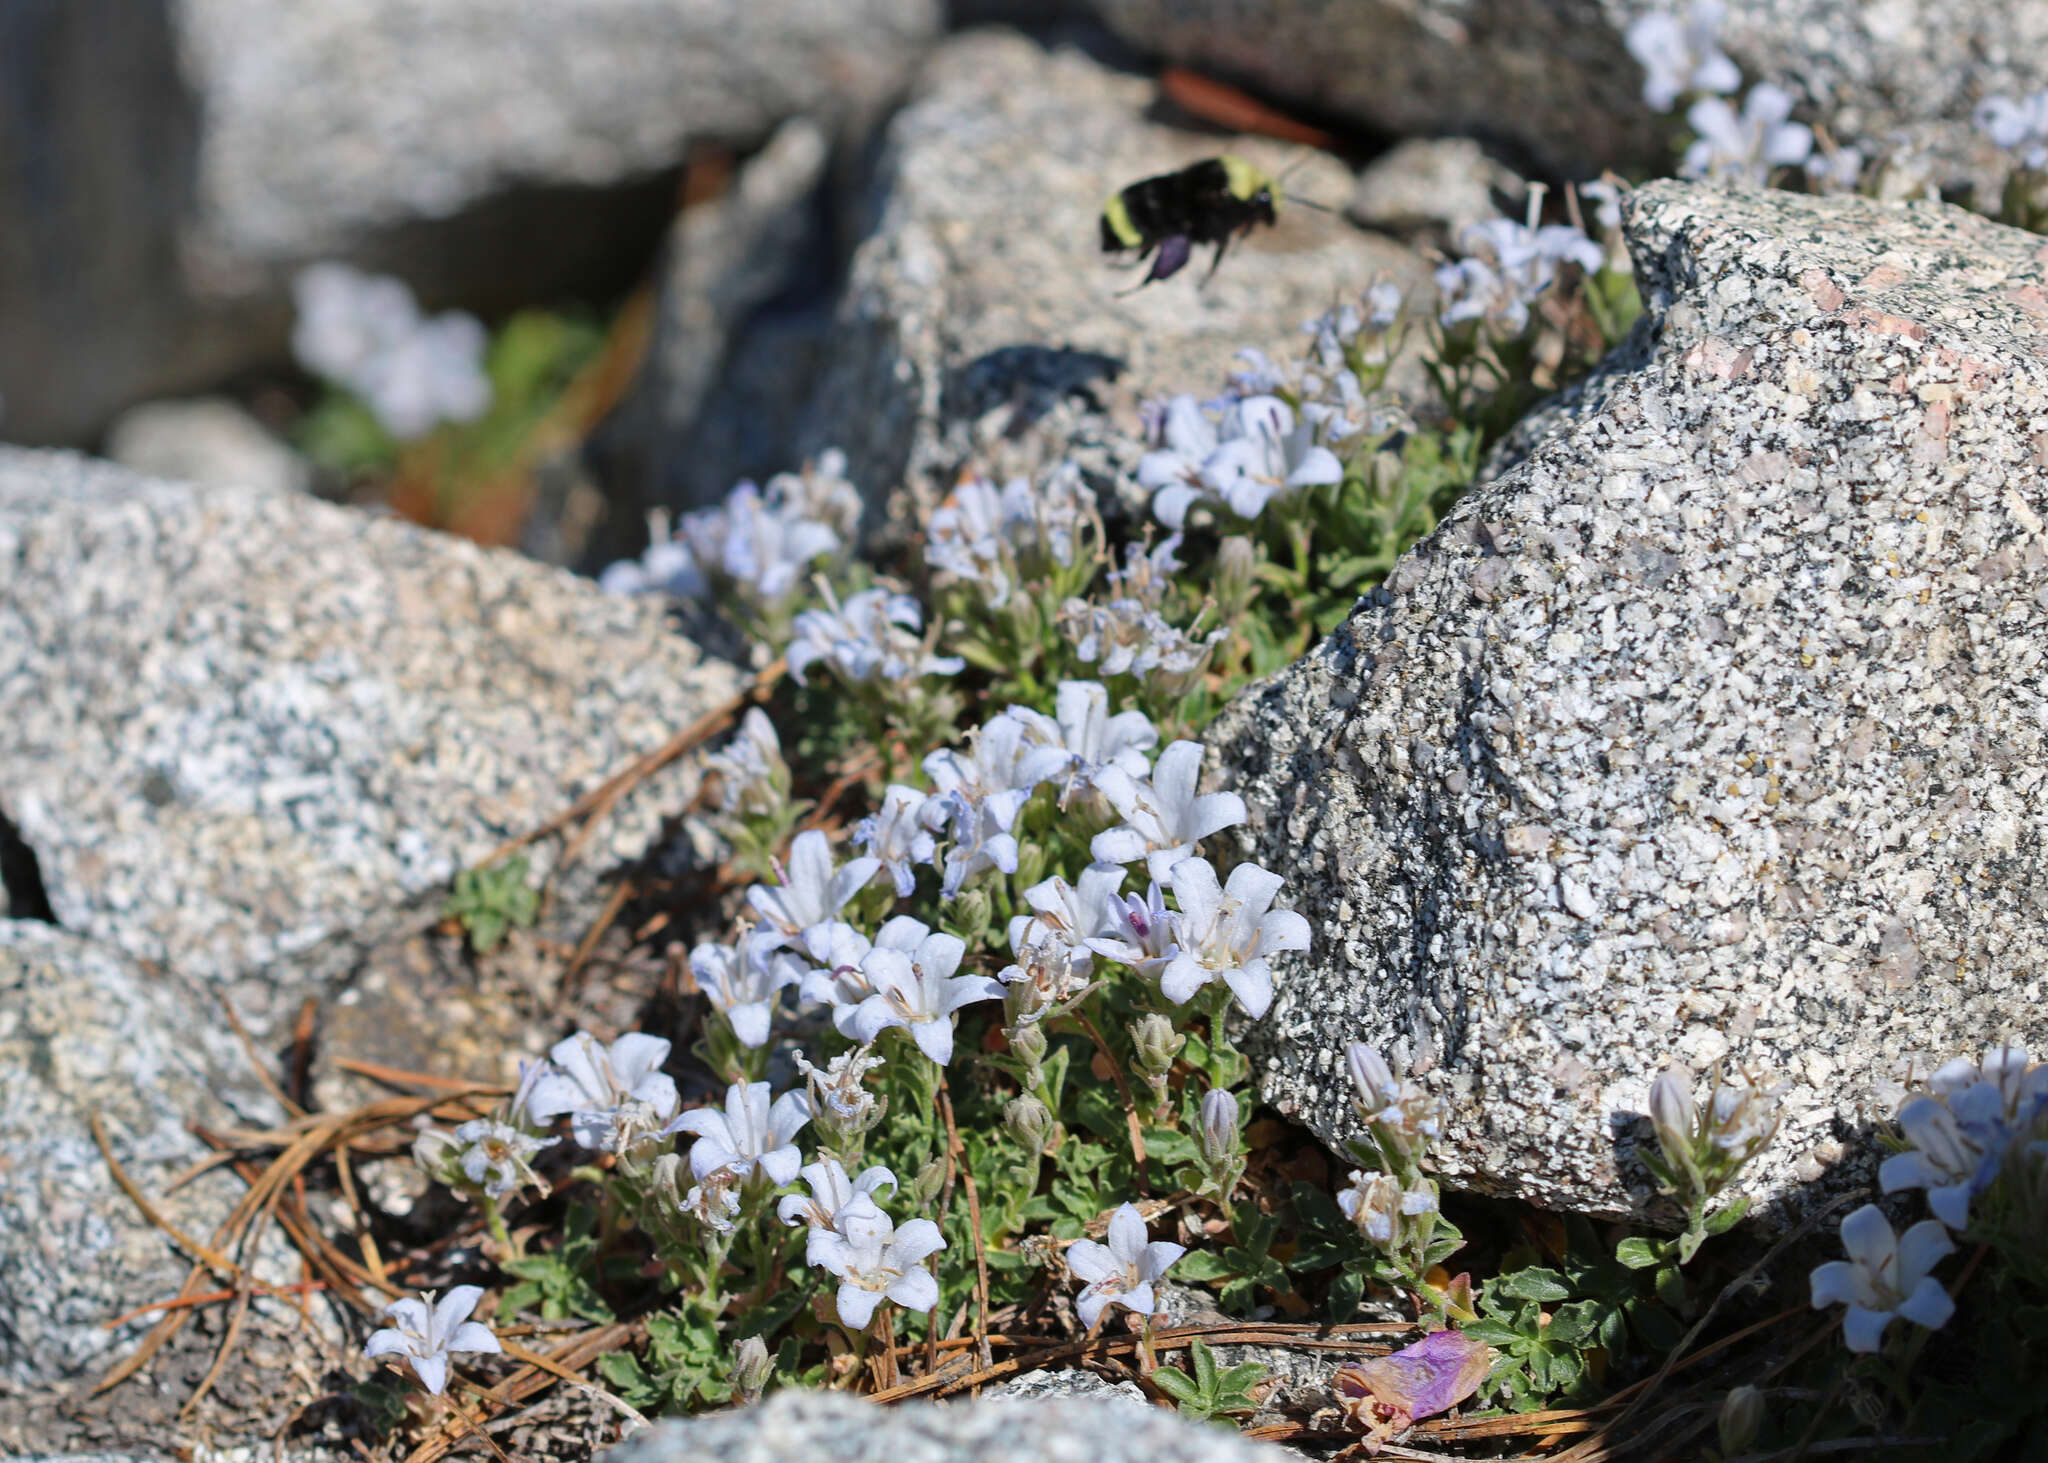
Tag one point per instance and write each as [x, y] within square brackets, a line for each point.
[924, 1189]
[1742, 1414]
[438, 1155]
[751, 1368]
[1156, 1044]
[1672, 1112]
[972, 914]
[1237, 564]
[1029, 1122]
[1028, 1045]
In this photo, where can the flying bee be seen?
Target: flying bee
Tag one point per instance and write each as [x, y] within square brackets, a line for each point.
[1207, 202]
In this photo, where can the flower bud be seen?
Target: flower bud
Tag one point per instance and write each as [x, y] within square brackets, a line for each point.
[438, 1156]
[1237, 566]
[924, 1189]
[1371, 1076]
[1742, 1414]
[1029, 1122]
[971, 915]
[751, 1368]
[1028, 1045]
[1156, 1044]
[1672, 1112]
[1219, 1128]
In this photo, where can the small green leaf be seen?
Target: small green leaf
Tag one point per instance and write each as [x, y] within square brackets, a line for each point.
[1535, 1283]
[1640, 1254]
[1728, 1216]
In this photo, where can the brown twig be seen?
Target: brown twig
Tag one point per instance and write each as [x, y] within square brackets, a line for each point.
[256, 1061]
[572, 974]
[226, 1267]
[959, 1150]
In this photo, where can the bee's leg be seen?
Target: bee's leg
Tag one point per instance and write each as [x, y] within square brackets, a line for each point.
[1173, 254]
[1216, 263]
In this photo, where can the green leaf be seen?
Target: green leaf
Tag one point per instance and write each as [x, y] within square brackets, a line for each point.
[1205, 1367]
[1640, 1254]
[1535, 1283]
[1493, 1333]
[1202, 1265]
[1177, 1385]
[1728, 1216]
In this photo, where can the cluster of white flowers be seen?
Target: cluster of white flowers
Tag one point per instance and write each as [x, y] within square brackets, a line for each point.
[994, 537]
[1681, 57]
[1964, 1128]
[366, 332]
[1126, 634]
[1323, 383]
[1508, 267]
[2017, 126]
[1743, 147]
[870, 639]
[761, 544]
[1974, 1121]
[1256, 453]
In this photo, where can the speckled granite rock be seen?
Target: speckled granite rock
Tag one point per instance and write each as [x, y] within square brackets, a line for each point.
[240, 728]
[822, 1425]
[323, 122]
[165, 165]
[1713, 727]
[1555, 81]
[84, 1029]
[982, 318]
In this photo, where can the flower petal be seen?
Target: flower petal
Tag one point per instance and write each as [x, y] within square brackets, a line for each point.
[749, 1023]
[1929, 1305]
[474, 1336]
[432, 1370]
[1127, 1235]
[1159, 1258]
[452, 1309]
[934, 1038]
[856, 1306]
[1089, 1260]
[917, 1290]
[1863, 1328]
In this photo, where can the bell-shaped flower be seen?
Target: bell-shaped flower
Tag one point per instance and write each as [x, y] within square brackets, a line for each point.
[2018, 126]
[766, 550]
[615, 1096]
[895, 836]
[978, 838]
[1072, 914]
[1266, 455]
[497, 1157]
[1121, 1272]
[873, 1258]
[1173, 471]
[917, 990]
[1885, 1276]
[1140, 932]
[426, 1332]
[872, 637]
[743, 981]
[1082, 738]
[1743, 147]
[799, 912]
[973, 535]
[1942, 1160]
[831, 1191]
[753, 778]
[752, 1132]
[1227, 932]
[1681, 55]
[1164, 816]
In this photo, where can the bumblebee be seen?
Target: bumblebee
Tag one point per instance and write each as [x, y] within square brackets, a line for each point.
[1207, 202]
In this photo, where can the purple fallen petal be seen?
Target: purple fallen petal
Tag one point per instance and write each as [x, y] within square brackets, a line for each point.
[1432, 1376]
